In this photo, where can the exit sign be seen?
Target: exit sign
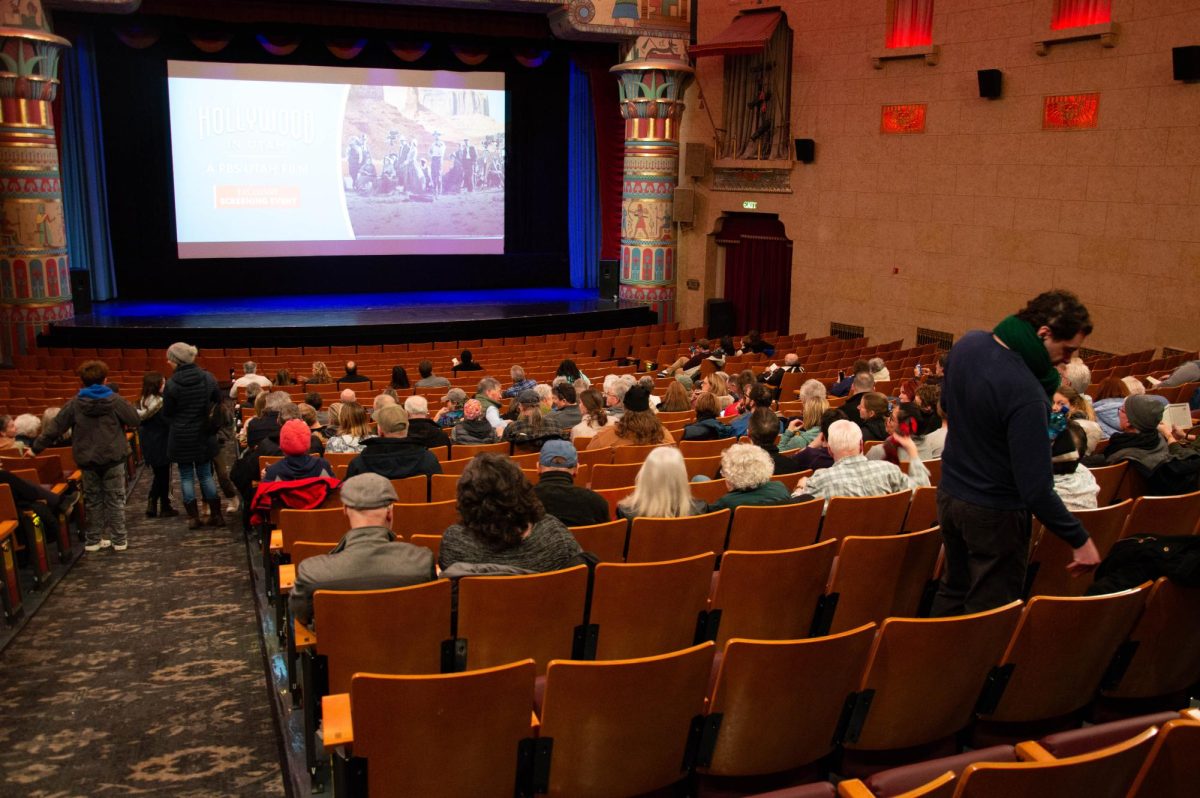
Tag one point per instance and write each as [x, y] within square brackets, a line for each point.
[749, 204]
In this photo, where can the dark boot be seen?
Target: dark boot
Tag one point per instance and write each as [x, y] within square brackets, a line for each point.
[193, 512]
[152, 507]
[166, 510]
[214, 512]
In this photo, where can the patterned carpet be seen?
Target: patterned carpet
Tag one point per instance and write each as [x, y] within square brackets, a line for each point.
[142, 674]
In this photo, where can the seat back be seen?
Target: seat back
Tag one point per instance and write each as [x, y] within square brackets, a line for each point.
[881, 577]
[865, 515]
[1059, 653]
[400, 630]
[1109, 479]
[773, 527]
[466, 450]
[622, 593]
[506, 618]
[303, 549]
[634, 740]
[1164, 515]
[915, 697]
[709, 491]
[633, 454]
[1047, 574]
[1170, 768]
[770, 595]
[443, 487]
[706, 448]
[780, 701]
[425, 518]
[49, 467]
[411, 490]
[1167, 654]
[702, 466]
[613, 496]
[315, 526]
[460, 734]
[922, 510]
[659, 539]
[613, 475]
[606, 541]
[1106, 773]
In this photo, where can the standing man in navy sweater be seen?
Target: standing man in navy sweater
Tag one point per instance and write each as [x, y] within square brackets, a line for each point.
[996, 471]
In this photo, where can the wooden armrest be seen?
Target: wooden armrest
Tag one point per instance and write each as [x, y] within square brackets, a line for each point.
[7, 528]
[337, 725]
[1030, 751]
[287, 578]
[304, 637]
[75, 476]
[276, 540]
[58, 488]
[853, 788]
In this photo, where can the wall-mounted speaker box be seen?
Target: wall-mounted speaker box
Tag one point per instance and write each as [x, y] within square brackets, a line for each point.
[695, 159]
[991, 82]
[81, 290]
[721, 317]
[806, 150]
[1185, 62]
[685, 206]
[610, 278]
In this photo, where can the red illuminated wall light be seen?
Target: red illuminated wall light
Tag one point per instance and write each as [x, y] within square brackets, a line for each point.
[908, 118]
[1071, 111]
[1080, 13]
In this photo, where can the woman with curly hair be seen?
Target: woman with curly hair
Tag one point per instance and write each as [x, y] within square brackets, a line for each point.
[320, 374]
[637, 426]
[504, 523]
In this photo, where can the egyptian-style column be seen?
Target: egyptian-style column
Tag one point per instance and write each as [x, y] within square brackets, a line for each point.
[652, 80]
[35, 288]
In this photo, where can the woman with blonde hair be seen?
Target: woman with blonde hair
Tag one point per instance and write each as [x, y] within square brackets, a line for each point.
[352, 429]
[717, 384]
[803, 431]
[661, 489]
[320, 374]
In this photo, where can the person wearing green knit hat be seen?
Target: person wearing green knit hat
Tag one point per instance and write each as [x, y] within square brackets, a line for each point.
[996, 468]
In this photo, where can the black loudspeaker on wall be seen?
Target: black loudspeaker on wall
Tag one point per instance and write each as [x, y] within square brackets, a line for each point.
[1185, 62]
[722, 317]
[991, 82]
[81, 290]
[806, 150]
[610, 278]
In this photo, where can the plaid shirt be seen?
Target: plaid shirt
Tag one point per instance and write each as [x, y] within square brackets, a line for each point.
[523, 385]
[858, 476]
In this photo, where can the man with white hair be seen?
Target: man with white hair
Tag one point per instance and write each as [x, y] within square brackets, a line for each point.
[773, 376]
[420, 426]
[519, 382]
[251, 377]
[614, 394]
[879, 369]
[852, 474]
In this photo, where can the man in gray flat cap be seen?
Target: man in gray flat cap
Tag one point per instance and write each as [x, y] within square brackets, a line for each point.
[368, 556]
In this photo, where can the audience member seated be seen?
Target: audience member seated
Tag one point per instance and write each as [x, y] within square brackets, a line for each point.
[320, 374]
[773, 375]
[47, 416]
[637, 426]
[314, 400]
[368, 557]
[932, 374]
[428, 380]
[295, 440]
[739, 390]
[661, 489]
[717, 384]
[842, 386]
[1080, 411]
[1107, 403]
[490, 398]
[420, 426]
[266, 423]
[252, 393]
[690, 363]
[308, 414]
[1185, 373]
[465, 362]
[872, 416]
[753, 342]
[929, 400]
[615, 388]
[381, 401]
[352, 374]
[452, 408]
[283, 377]
[519, 383]
[908, 392]
[760, 396]
[879, 369]
[852, 474]
[901, 420]
[545, 398]
[557, 491]
[763, 430]
[1076, 374]
[399, 380]
[566, 406]
[531, 429]
[595, 414]
[931, 444]
[747, 470]
[45, 504]
[352, 430]
[675, 400]
[393, 454]
[800, 432]
[1169, 463]
[1073, 482]
[292, 411]
[647, 382]
[707, 427]
[250, 377]
[347, 395]
[860, 386]
[473, 428]
[504, 524]
[27, 427]
[568, 370]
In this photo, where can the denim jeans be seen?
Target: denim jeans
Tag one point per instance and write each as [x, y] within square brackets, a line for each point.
[187, 474]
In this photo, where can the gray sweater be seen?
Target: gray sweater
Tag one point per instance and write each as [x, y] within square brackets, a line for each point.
[549, 547]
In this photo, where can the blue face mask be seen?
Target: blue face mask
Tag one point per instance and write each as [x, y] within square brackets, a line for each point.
[1058, 422]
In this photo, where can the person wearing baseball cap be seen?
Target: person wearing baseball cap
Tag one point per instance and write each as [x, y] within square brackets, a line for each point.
[368, 556]
[532, 429]
[452, 410]
[556, 488]
[393, 454]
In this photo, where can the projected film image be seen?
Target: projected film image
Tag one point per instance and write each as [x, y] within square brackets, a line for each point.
[278, 161]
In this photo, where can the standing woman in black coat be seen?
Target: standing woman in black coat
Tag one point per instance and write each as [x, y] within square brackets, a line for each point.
[152, 439]
[188, 399]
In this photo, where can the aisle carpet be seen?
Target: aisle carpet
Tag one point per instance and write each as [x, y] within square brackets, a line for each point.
[142, 674]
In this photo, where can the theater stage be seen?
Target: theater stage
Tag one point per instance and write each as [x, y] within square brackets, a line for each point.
[344, 319]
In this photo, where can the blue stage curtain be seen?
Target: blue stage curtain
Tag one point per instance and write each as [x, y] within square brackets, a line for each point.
[583, 199]
[81, 152]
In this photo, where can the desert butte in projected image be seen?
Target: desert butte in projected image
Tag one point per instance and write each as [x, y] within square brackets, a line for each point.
[392, 187]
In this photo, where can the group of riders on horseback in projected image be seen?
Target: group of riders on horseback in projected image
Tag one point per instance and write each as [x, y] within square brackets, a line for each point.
[406, 172]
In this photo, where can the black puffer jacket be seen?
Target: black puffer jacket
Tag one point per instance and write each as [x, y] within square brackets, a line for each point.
[187, 397]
